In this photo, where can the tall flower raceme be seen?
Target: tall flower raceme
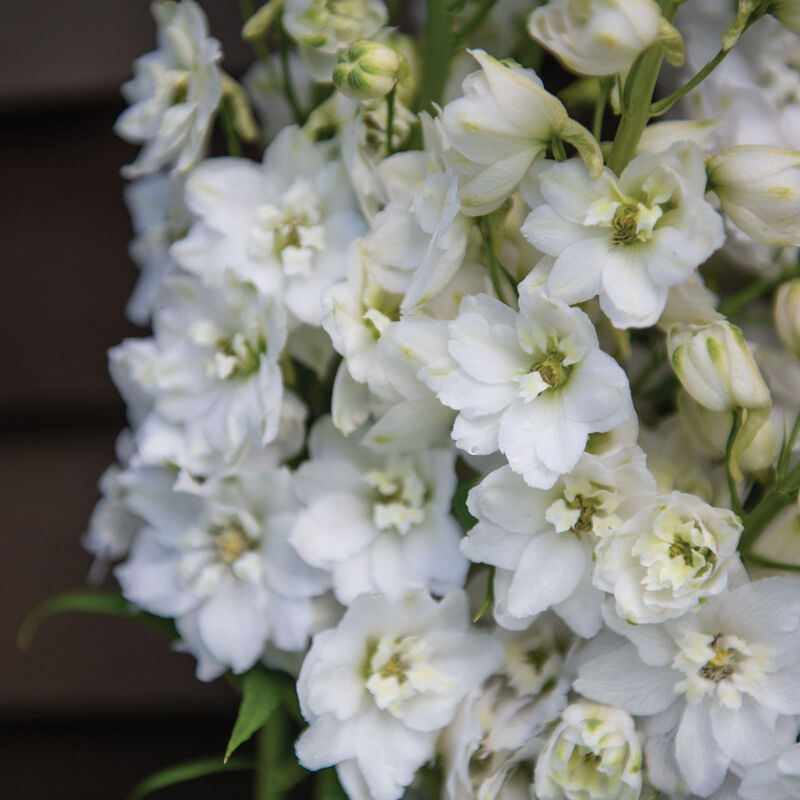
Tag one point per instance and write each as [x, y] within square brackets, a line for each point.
[471, 428]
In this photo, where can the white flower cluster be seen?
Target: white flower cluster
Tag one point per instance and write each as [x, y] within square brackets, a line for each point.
[438, 413]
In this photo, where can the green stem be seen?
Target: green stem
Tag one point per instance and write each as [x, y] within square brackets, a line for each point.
[784, 493]
[463, 34]
[738, 419]
[749, 294]
[286, 78]
[660, 106]
[436, 54]
[270, 746]
[636, 98]
[390, 120]
[557, 146]
[485, 227]
[763, 561]
[229, 129]
[600, 108]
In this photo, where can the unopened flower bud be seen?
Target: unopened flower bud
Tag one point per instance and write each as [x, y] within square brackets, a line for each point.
[759, 188]
[787, 314]
[603, 37]
[367, 70]
[716, 367]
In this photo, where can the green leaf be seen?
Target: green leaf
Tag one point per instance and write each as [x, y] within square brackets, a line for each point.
[111, 604]
[260, 697]
[186, 771]
[460, 502]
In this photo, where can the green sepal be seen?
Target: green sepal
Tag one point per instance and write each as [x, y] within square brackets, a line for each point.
[260, 697]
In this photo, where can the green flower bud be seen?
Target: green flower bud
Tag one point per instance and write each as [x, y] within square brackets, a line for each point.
[368, 70]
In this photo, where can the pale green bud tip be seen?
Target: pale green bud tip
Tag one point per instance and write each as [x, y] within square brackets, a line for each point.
[787, 315]
[367, 70]
[259, 24]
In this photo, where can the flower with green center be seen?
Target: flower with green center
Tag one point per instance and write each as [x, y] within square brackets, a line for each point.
[625, 239]
[670, 556]
[592, 754]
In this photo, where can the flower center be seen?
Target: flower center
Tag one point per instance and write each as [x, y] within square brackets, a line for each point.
[231, 543]
[291, 232]
[722, 665]
[399, 668]
[400, 496]
[551, 368]
[237, 357]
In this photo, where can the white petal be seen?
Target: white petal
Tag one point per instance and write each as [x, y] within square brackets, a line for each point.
[701, 762]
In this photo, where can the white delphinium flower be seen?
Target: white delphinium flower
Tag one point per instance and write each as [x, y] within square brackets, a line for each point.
[419, 239]
[672, 555]
[498, 726]
[222, 566]
[721, 675]
[593, 753]
[603, 37]
[533, 384]
[131, 366]
[284, 225]
[378, 689]
[323, 28]
[175, 92]
[542, 541]
[159, 218]
[377, 523]
[776, 779]
[503, 123]
[215, 366]
[626, 239]
[759, 189]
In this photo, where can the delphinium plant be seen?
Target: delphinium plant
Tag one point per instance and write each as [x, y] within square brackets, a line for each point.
[465, 444]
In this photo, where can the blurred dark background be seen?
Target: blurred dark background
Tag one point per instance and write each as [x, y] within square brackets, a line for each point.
[98, 703]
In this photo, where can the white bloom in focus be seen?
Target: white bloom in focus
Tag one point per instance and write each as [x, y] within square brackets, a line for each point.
[722, 676]
[284, 225]
[505, 121]
[603, 37]
[323, 28]
[593, 754]
[533, 384]
[759, 188]
[787, 315]
[159, 218]
[542, 541]
[626, 239]
[221, 565]
[379, 688]
[175, 92]
[377, 523]
[669, 557]
[216, 364]
[715, 365]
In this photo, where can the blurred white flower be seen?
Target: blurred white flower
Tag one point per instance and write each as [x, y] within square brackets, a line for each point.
[175, 92]
[603, 37]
